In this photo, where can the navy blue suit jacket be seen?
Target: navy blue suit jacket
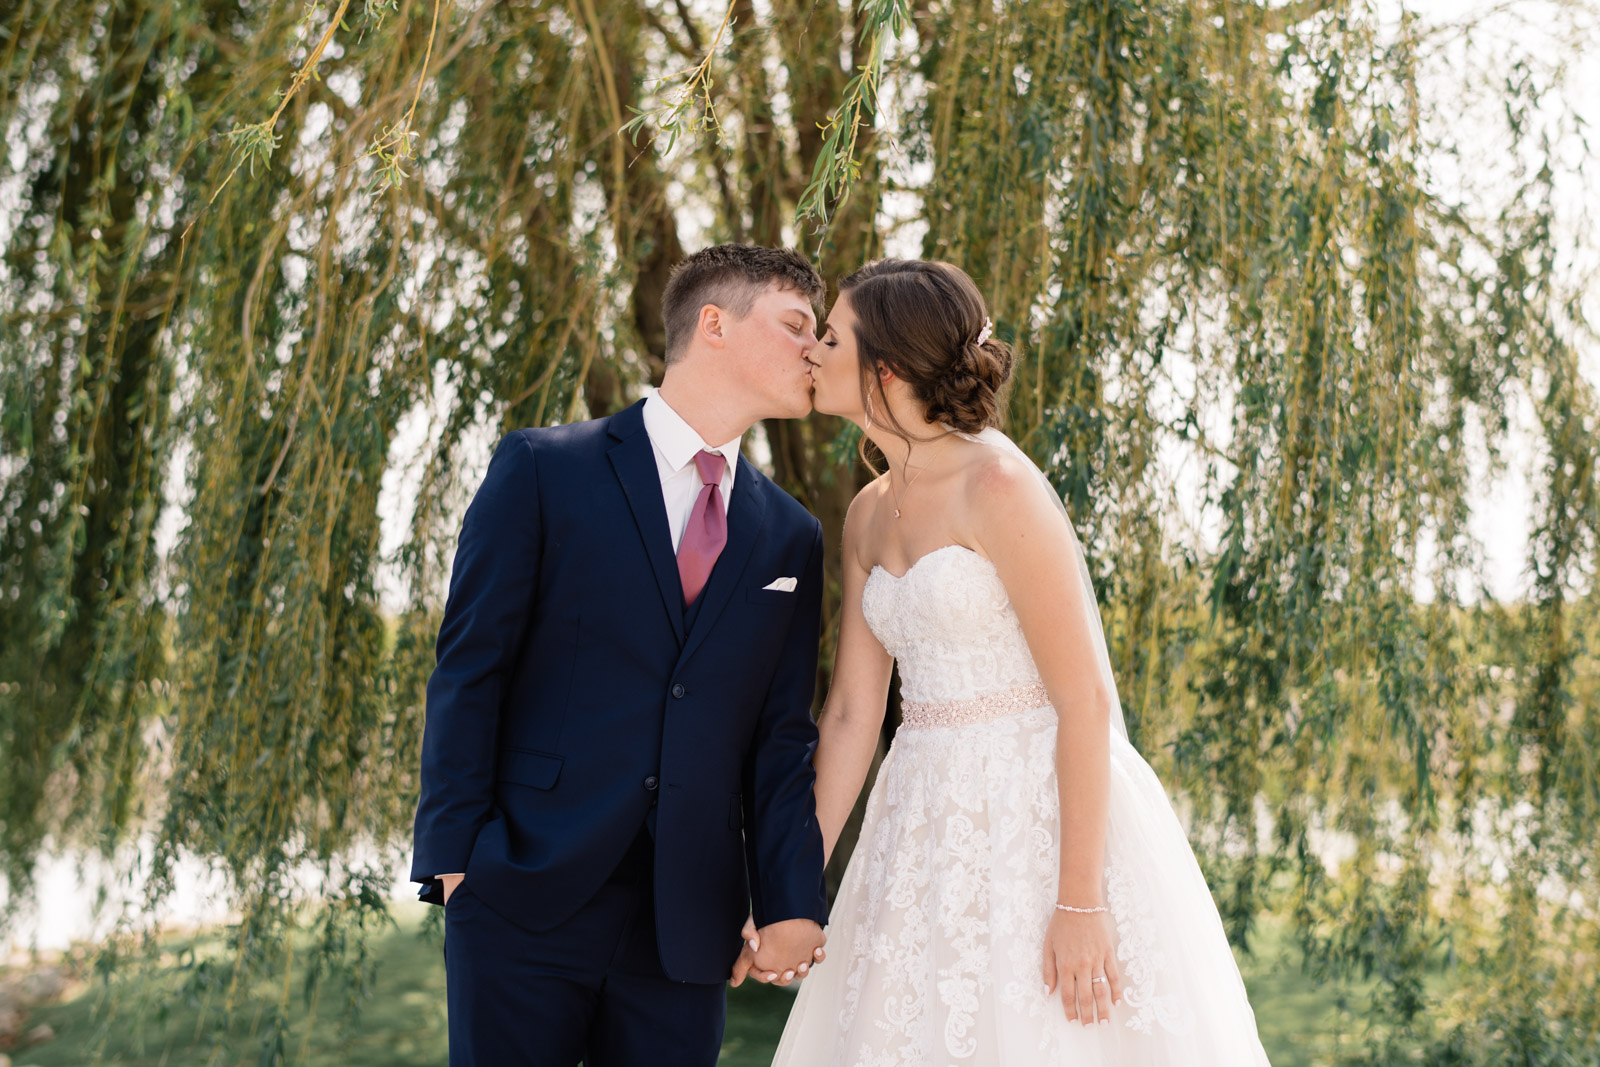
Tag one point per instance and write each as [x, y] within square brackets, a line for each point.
[569, 697]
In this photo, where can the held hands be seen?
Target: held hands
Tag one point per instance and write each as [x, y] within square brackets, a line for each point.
[769, 953]
[1078, 950]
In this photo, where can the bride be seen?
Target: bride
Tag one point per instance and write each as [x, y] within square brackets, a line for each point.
[1022, 891]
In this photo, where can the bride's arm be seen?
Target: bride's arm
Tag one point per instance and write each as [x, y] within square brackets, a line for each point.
[852, 717]
[1021, 531]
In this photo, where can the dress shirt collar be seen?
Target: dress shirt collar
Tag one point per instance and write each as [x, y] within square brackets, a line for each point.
[678, 442]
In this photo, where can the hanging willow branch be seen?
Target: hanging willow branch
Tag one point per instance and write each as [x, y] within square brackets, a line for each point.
[693, 95]
[257, 141]
[836, 166]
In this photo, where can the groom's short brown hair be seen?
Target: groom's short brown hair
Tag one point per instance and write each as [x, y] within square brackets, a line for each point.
[731, 277]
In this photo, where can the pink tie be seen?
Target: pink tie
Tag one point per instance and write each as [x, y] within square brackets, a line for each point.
[707, 531]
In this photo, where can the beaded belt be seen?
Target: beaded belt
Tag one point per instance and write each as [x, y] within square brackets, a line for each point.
[923, 715]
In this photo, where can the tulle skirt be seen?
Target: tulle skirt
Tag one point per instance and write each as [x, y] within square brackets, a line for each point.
[936, 940]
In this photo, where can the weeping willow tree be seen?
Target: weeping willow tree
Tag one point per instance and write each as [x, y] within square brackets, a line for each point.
[276, 277]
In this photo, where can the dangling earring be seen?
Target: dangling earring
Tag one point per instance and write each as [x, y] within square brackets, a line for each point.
[869, 410]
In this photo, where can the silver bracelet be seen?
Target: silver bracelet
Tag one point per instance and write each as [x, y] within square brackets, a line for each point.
[1081, 911]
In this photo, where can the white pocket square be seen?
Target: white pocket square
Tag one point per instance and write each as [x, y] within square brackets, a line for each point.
[782, 585]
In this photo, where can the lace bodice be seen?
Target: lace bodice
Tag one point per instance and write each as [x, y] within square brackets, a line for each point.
[949, 624]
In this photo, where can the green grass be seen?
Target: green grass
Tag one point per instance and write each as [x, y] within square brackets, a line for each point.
[1302, 1023]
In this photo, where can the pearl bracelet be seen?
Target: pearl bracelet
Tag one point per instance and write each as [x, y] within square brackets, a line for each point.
[1081, 911]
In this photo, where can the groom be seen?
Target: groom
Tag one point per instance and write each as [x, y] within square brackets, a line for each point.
[616, 766]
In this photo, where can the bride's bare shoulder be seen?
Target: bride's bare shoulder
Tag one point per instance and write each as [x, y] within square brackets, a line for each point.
[859, 514]
[1001, 493]
[997, 476]
[867, 498]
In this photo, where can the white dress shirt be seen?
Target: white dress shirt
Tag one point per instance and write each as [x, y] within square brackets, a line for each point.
[676, 444]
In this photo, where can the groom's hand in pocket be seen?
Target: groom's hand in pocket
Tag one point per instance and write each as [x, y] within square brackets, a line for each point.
[783, 951]
[450, 881]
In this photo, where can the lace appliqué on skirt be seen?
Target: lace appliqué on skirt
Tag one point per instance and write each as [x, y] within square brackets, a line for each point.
[1141, 958]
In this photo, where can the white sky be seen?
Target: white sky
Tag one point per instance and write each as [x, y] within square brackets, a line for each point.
[1551, 32]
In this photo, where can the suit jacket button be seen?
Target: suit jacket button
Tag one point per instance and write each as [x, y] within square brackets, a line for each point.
[650, 783]
[677, 690]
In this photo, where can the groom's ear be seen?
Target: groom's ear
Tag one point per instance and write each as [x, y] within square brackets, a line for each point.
[711, 326]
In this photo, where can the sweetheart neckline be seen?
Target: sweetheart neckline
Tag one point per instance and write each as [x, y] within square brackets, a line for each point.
[876, 567]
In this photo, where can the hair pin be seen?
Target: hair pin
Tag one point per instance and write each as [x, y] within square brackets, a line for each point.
[987, 331]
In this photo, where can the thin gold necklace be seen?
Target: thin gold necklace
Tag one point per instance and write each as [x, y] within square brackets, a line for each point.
[913, 478]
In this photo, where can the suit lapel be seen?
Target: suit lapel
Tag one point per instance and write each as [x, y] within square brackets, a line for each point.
[634, 460]
[746, 513]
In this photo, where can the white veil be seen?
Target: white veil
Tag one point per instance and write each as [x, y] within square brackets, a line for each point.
[1102, 657]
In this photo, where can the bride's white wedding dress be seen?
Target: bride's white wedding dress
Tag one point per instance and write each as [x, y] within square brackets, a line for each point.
[936, 940]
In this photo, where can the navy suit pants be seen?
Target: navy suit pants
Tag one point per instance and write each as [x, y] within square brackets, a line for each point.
[592, 989]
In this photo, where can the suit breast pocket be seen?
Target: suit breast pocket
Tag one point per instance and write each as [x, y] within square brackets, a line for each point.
[774, 598]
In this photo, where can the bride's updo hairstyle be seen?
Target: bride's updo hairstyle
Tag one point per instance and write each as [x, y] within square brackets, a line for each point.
[922, 319]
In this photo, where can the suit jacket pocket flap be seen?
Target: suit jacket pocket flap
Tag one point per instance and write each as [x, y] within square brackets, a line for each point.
[522, 766]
